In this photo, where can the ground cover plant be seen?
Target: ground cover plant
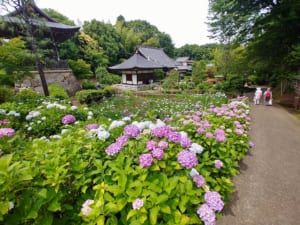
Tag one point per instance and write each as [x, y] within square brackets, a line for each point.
[166, 163]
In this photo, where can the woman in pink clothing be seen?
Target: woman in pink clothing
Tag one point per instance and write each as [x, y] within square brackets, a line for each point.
[257, 96]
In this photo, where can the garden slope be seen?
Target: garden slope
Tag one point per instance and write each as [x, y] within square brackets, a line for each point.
[268, 188]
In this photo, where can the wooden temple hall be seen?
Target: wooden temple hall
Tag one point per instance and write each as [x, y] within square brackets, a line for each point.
[138, 70]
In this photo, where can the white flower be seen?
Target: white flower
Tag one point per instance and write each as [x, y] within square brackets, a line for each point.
[196, 148]
[193, 172]
[56, 136]
[102, 134]
[183, 134]
[62, 107]
[90, 117]
[11, 205]
[90, 113]
[28, 117]
[74, 107]
[64, 131]
[127, 118]
[85, 108]
[44, 118]
[29, 128]
[115, 124]
[2, 111]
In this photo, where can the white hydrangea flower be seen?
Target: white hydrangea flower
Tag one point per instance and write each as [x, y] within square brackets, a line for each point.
[127, 118]
[102, 134]
[56, 136]
[196, 148]
[2, 111]
[74, 107]
[193, 172]
[90, 113]
[115, 124]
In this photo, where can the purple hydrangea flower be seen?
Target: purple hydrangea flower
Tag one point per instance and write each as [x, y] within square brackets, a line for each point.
[137, 204]
[113, 149]
[218, 164]
[92, 126]
[6, 132]
[151, 145]
[206, 214]
[220, 135]
[214, 201]
[163, 145]
[199, 180]
[187, 159]
[160, 132]
[158, 153]
[122, 140]
[174, 137]
[145, 160]
[200, 130]
[67, 119]
[132, 131]
[251, 144]
[209, 135]
[185, 142]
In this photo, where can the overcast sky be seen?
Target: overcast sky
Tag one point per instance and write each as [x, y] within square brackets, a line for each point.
[184, 21]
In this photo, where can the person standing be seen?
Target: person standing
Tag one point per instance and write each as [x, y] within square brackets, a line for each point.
[268, 97]
[257, 96]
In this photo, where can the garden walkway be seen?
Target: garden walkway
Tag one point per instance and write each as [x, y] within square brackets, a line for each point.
[268, 187]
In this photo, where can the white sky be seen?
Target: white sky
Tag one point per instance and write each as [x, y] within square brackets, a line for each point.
[183, 20]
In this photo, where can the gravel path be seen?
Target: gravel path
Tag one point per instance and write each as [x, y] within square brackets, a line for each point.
[268, 187]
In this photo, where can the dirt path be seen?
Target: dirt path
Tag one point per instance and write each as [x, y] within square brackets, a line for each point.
[268, 188]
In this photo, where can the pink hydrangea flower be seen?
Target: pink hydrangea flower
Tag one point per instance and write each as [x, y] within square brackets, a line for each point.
[218, 164]
[132, 131]
[92, 126]
[67, 119]
[187, 159]
[151, 145]
[137, 204]
[199, 180]
[213, 200]
[145, 160]
[6, 132]
[158, 153]
[206, 214]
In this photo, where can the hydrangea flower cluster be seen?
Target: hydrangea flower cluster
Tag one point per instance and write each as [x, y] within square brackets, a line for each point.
[199, 180]
[220, 135]
[92, 126]
[137, 204]
[67, 119]
[4, 121]
[213, 200]
[132, 131]
[213, 203]
[218, 164]
[206, 214]
[85, 208]
[8, 132]
[146, 160]
[32, 114]
[187, 159]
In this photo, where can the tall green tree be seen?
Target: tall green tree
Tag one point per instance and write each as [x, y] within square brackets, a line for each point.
[15, 61]
[107, 38]
[268, 28]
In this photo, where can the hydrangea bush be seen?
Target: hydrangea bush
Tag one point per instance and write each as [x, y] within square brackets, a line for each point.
[173, 170]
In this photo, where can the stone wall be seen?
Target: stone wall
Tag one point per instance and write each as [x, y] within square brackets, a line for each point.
[64, 77]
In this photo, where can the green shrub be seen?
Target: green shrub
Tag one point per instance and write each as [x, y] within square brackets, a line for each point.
[104, 77]
[5, 93]
[87, 84]
[57, 91]
[89, 96]
[108, 91]
[26, 95]
[80, 68]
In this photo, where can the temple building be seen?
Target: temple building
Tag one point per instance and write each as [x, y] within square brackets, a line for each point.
[139, 69]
